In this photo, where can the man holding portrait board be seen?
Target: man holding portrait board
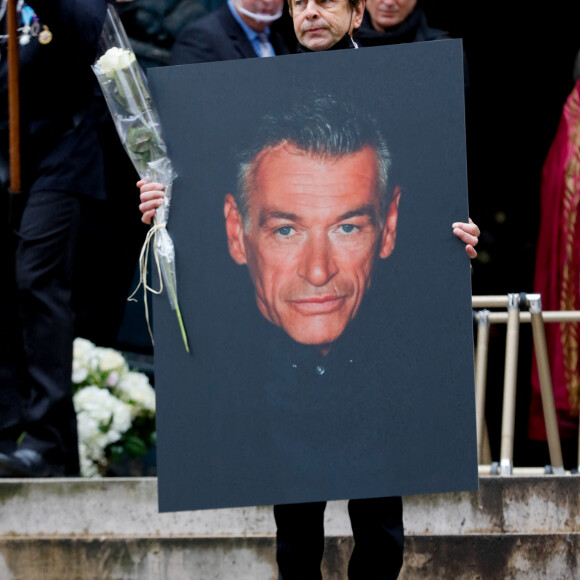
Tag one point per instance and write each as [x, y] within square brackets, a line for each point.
[311, 218]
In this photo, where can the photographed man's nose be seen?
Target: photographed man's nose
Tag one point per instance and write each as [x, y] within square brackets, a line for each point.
[311, 10]
[318, 266]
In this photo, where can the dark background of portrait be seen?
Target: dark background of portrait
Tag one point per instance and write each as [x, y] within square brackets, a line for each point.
[403, 421]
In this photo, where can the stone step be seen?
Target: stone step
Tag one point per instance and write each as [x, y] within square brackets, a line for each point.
[545, 556]
[478, 556]
[514, 527]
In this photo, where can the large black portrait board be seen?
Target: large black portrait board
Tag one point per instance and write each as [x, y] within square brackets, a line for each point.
[241, 420]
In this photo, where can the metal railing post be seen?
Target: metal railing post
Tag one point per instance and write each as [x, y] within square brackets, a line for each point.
[485, 447]
[510, 378]
[548, 405]
[481, 375]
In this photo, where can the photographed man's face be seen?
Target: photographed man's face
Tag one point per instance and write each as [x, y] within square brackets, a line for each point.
[320, 24]
[387, 13]
[311, 236]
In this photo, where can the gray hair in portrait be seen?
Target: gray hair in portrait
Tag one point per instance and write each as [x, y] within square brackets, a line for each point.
[322, 126]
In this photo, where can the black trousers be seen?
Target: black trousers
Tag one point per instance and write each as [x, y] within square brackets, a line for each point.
[69, 261]
[37, 390]
[377, 526]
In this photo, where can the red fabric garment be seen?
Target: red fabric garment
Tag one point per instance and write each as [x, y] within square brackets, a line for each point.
[557, 274]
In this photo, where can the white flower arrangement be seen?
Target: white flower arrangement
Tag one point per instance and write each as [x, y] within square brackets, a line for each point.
[115, 407]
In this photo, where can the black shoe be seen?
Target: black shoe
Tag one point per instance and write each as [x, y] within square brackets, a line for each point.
[27, 463]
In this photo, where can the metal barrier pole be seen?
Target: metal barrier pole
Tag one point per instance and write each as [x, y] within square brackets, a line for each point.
[481, 375]
[521, 471]
[485, 447]
[500, 301]
[509, 389]
[549, 407]
[547, 316]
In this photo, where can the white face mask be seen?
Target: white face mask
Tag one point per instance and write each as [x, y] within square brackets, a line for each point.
[257, 17]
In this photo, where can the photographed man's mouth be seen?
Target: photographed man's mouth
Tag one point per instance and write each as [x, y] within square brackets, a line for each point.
[314, 30]
[315, 305]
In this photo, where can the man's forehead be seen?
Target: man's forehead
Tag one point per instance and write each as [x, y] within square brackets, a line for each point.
[286, 176]
[322, 155]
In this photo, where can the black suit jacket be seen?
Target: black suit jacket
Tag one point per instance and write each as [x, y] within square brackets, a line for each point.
[66, 129]
[218, 36]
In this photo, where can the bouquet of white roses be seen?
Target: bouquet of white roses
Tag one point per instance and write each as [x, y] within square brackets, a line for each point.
[115, 407]
[125, 89]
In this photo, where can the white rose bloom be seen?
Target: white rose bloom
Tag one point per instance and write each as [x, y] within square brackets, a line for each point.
[89, 466]
[95, 407]
[135, 388]
[90, 434]
[92, 445]
[83, 349]
[83, 353]
[110, 360]
[79, 372]
[115, 59]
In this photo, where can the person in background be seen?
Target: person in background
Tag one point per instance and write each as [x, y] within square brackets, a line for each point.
[66, 135]
[395, 22]
[238, 29]
[557, 278]
[153, 26]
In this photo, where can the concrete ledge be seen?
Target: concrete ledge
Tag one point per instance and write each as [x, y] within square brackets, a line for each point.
[514, 504]
[514, 527]
[128, 507]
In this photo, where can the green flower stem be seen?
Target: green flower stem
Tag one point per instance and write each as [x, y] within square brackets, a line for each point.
[182, 328]
[173, 291]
